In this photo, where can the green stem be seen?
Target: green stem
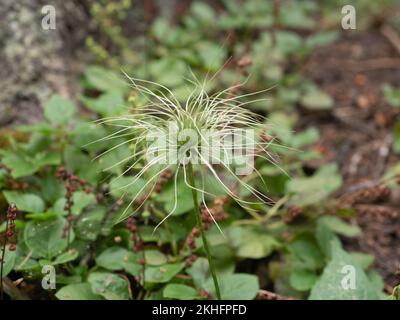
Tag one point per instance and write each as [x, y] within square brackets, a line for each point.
[202, 231]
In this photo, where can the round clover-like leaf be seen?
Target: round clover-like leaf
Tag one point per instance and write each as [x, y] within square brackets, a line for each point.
[45, 238]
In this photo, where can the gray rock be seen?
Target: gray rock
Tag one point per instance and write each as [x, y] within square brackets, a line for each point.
[34, 62]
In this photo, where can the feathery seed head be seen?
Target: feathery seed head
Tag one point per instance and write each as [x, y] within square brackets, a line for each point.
[214, 133]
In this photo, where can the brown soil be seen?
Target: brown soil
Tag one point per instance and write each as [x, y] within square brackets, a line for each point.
[357, 134]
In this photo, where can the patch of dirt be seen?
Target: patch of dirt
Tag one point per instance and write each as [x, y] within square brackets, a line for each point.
[357, 134]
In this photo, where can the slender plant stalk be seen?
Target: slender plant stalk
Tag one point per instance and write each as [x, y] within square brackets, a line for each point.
[3, 253]
[202, 231]
[144, 260]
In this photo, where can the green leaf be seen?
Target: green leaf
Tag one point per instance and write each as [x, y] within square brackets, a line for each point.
[124, 186]
[337, 225]
[154, 257]
[200, 271]
[19, 165]
[160, 28]
[396, 134]
[168, 71]
[105, 80]
[321, 38]
[377, 283]
[211, 54]
[3, 178]
[304, 138]
[81, 164]
[107, 104]
[22, 164]
[282, 126]
[131, 264]
[109, 285]
[363, 260]
[24, 263]
[251, 243]
[79, 291]
[51, 188]
[288, 42]
[67, 280]
[330, 287]
[235, 286]
[9, 260]
[113, 258]
[180, 292]
[162, 274]
[302, 279]
[81, 200]
[25, 201]
[85, 136]
[325, 237]
[42, 216]
[202, 12]
[314, 189]
[294, 17]
[65, 257]
[184, 198]
[59, 110]
[108, 161]
[317, 100]
[89, 224]
[305, 254]
[392, 95]
[45, 238]
[43, 159]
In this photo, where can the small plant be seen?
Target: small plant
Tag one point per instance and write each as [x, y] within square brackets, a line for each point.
[9, 236]
[71, 184]
[191, 139]
[175, 205]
